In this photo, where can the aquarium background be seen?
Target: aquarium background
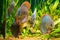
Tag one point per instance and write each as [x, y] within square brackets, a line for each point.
[50, 7]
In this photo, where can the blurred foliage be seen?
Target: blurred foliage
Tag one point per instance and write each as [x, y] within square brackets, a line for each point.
[51, 7]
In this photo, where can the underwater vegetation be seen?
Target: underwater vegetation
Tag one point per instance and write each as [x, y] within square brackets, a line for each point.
[30, 18]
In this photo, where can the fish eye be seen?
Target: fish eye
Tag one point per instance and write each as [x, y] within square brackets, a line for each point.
[51, 25]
